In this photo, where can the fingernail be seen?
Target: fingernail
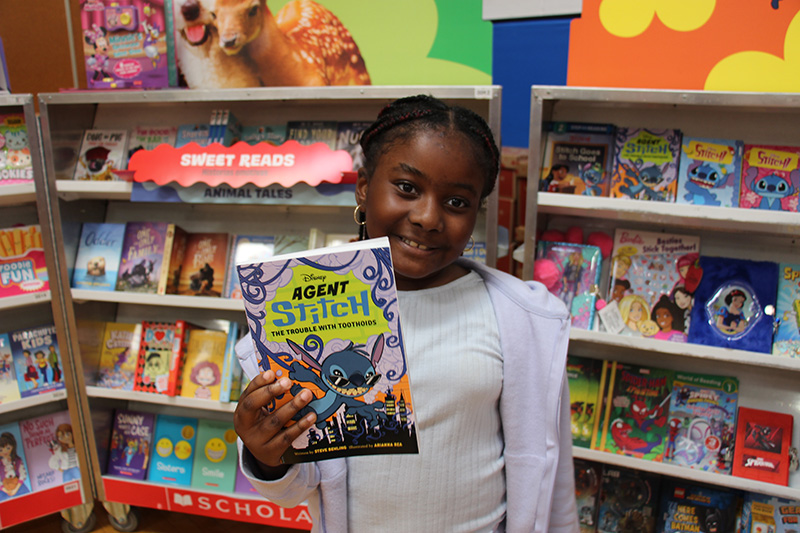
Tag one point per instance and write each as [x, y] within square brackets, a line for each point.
[285, 382]
[305, 395]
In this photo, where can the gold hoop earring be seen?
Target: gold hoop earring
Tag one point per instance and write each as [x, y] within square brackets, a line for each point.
[471, 244]
[357, 218]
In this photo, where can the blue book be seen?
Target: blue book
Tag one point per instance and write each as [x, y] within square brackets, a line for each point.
[173, 450]
[196, 133]
[273, 134]
[787, 337]
[98, 257]
[37, 360]
[709, 172]
[15, 478]
[231, 369]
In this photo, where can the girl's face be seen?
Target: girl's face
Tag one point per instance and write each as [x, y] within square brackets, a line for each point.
[65, 437]
[636, 314]
[5, 451]
[664, 319]
[205, 376]
[737, 302]
[424, 195]
[683, 300]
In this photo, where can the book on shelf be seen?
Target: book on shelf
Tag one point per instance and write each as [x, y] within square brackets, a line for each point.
[243, 485]
[763, 439]
[646, 164]
[311, 131]
[14, 474]
[148, 137]
[226, 129]
[216, 460]
[71, 233]
[231, 369]
[628, 501]
[160, 360]
[734, 304]
[203, 363]
[579, 267]
[348, 138]
[769, 514]
[274, 134]
[173, 453]
[253, 248]
[334, 310]
[173, 259]
[37, 360]
[9, 389]
[702, 418]
[103, 153]
[193, 133]
[145, 257]
[90, 343]
[687, 506]
[709, 172]
[787, 311]
[583, 377]
[204, 261]
[22, 263]
[49, 444]
[588, 476]
[119, 353]
[652, 279]
[15, 153]
[66, 149]
[98, 258]
[770, 177]
[131, 440]
[577, 158]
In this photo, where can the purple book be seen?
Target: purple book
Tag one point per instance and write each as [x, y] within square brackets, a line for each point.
[49, 446]
[131, 439]
[243, 486]
[143, 256]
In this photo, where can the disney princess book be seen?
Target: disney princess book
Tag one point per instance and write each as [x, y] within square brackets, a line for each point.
[329, 320]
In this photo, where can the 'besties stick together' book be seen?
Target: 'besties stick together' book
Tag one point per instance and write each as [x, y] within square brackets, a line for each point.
[328, 319]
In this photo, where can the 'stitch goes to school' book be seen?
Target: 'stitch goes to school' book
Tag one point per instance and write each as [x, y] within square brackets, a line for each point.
[628, 501]
[770, 178]
[328, 319]
[709, 172]
[118, 355]
[173, 450]
[131, 439]
[787, 311]
[762, 445]
[577, 158]
[583, 375]
[98, 257]
[37, 360]
[687, 506]
[14, 475]
[49, 445]
[9, 390]
[646, 164]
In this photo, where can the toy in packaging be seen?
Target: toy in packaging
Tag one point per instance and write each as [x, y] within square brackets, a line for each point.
[646, 164]
[787, 337]
[579, 269]
[577, 158]
[770, 177]
[710, 171]
[15, 153]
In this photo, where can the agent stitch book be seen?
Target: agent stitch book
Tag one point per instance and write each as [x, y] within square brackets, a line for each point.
[646, 164]
[37, 360]
[577, 158]
[328, 319]
[787, 337]
[173, 450]
[770, 177]
[579, 269]
[49, 445]
[14, 478]
[98, 258]
[9, 390]
[131, 439]
[710, 171]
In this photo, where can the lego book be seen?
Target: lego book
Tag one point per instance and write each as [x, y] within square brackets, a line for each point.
[734, 304]
[578, 158]
[348, 137]
[15, 154]
[118, 355]
[646, 164]
[160, 360]
[588, 477]
[131, 439]
[204, 262]
[770, 177]
[786, 342]
[142, 266]
[9, 389]
[98, 258]
[702, 418]
[762, 445]
[103, 153]
[14, 472]
[216, 460]
[579, 268]
[709, 172]
[769, 514]
[49, 445]
[310, 132]
[203, 363]
[37, 360]
[22, 265]
[583, 376]
[174, 440]
[687, 506]
[319, 315]
[628, 501]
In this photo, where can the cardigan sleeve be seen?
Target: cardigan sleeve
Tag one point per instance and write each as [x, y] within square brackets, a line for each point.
[563, 510]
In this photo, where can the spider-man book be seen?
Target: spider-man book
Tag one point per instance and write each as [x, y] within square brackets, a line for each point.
[702, 416]
[762, 445]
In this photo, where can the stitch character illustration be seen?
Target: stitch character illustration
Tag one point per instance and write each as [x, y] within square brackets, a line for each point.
[343, 376]
[592, 175]
[641, 182]
[703, 177]
[772, 188]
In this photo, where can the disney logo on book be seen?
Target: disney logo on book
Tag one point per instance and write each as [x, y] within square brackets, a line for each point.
[313, 277]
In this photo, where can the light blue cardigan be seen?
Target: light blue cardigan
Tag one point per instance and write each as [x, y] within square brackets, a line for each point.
[534, 409]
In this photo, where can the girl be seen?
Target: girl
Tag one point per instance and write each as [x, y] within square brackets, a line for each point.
[669, 318]
[486, 352]
[12, 468]
[64, 458]
[634, 311]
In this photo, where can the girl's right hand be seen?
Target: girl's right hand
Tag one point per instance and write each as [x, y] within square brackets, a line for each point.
[265, 434]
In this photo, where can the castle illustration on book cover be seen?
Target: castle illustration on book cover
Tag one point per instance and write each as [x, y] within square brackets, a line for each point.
[315, 312]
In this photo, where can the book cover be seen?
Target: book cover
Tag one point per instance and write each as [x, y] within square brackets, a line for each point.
[160, 361]
[770, 177]
[702, 417]
[231, 369]
[9, 389]
[734, 304]
[314, 316]
[49, 445]
[583, 376]
[142, 262]
[118, 355]
[762, 445]
[103, 153]
[687, 506]
[709, 172]
[348, 138]
[22, 265]
[628, 501]
[635, 414]
[90, 343]
[310, 132]
[216, 460]
[242, 485]
[148, 137]
[173, 261]
[98, 259]
[66, 151]
[193, 133]
[71, 233]
[15, 478]
[37, 360]
[15, 153]
[579, 267]
[204, 262]
[255, 248]
[173, 450]
[273, 134]
[646, 164]
[769, 514]
[203, 363]
[588, 476]
[577, 158]
[787, 311]
[131, 440]
[653, 278]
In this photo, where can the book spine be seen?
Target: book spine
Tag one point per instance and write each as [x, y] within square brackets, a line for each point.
[176, 365]
[230, 356]
[231, 276]
[600, 407]
[163, 276]
[607, 407]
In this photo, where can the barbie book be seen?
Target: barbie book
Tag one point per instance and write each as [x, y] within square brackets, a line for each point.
[328, 319]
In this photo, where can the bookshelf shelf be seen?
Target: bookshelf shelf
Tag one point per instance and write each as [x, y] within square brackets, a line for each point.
[160, 399]
[17, 194]
[162, 300]
[94, 190]
[33, 401]
[23, 300]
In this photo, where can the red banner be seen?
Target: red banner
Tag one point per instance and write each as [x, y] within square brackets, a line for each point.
[42, 503]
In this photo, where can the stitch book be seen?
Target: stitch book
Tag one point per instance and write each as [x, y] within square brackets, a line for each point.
[646, 164]
[787, 337]
[131, 438]
[577, 158]
[579, 275]
[98, 258]
[328, 319]
[49, 446]
[770, 177]
[709, 172]
[762, 445]
[173, 450]
[13, 466]
[9, 390]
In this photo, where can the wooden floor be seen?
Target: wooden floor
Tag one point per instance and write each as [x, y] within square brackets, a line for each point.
[153, 521]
